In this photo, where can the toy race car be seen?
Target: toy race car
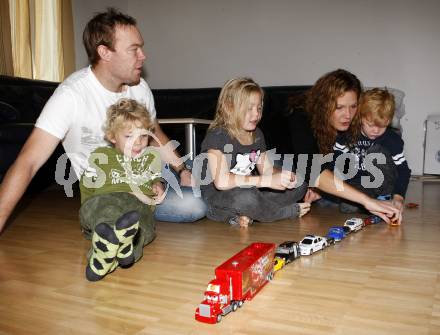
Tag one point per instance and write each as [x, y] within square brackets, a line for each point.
[337, 233]
[278, 263]
[311, 243]
[373, 219]
[288, 250]
[355, 224]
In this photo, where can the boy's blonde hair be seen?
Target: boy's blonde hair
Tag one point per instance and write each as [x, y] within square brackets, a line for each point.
[377, 105]
[235, 94]
[126, 111]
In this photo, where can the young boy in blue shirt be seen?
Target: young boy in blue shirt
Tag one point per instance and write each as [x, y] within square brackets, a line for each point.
[377, 110]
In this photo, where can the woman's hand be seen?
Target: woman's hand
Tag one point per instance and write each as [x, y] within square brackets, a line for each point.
[398, 203]
[383, 208]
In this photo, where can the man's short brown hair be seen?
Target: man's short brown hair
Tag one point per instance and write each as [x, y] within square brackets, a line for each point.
[100, 30]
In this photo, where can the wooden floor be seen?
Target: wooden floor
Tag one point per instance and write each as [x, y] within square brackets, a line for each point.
[381, 280]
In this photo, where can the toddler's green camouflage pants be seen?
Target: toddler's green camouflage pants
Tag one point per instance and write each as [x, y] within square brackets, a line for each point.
[108, 208]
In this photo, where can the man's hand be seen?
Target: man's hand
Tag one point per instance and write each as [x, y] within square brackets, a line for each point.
[35, 152]
[186, 178]
[2, 223]
[159, 190]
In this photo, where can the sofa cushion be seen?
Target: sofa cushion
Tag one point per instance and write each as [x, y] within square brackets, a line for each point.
[8, 113]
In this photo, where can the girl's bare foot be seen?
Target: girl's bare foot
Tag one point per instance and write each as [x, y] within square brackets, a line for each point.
[311, 195]
[244, 221]
[304, 208]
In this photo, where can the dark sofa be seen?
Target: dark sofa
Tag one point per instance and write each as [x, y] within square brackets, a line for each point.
[21, 101]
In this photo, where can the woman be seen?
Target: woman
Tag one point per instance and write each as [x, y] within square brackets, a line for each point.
[329, 107]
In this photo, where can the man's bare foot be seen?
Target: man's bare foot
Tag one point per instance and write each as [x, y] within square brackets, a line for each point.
[304, 208]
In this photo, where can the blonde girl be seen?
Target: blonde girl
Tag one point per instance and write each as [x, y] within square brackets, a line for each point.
[246, 186]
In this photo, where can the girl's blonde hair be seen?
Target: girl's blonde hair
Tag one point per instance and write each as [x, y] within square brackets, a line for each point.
[126, 111]
[377, 105]
[235, 95]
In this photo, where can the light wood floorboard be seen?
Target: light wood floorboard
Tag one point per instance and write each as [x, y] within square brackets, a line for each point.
[381, 280]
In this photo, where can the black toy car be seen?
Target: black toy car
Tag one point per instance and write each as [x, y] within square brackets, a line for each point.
[288, 250]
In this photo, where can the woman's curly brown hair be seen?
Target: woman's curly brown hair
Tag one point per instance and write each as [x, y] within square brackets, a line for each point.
[321, 101]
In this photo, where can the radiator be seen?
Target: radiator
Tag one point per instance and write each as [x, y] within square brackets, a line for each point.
[432, 145]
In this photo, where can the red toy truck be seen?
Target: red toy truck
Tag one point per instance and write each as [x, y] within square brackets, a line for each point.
[240, 278]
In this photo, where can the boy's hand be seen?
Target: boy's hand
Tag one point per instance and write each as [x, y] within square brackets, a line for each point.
[158, 189]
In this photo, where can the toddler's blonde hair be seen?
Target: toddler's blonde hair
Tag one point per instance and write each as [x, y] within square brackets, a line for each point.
[126, 111]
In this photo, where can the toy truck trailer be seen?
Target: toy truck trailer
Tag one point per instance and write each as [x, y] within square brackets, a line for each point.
[238, 279]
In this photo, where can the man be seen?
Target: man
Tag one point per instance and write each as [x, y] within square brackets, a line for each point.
[76, 113]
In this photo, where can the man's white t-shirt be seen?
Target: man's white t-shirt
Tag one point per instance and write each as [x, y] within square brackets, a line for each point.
[76, 113]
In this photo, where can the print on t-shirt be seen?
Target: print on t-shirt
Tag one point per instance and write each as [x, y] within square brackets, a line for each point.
[131, 171]
[246, 163]
[360, 151]
[91, 139]
[135, 171]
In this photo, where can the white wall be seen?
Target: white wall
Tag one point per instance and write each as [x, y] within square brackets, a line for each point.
[201, 43]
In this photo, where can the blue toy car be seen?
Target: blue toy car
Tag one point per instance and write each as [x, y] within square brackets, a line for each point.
[337, 233]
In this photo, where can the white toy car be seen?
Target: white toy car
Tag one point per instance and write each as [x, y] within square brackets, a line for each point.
[354, 224]
[311, 243]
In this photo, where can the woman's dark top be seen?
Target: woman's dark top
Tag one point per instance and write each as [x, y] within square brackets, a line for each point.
[304, 146]
[301, 133]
